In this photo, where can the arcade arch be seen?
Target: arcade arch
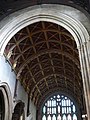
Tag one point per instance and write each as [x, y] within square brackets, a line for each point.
[5, 102]
[75, 27]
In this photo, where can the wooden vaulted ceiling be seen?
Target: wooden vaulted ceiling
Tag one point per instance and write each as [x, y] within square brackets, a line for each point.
[45, 59]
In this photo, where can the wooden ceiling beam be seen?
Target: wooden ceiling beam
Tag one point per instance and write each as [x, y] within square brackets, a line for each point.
[42, 81]
[27, 64]
[17, 42]
[39, 43]
[46, 52]
[46, 38]
[57, 90]
[78, 77]
[35, 53]
[49, 59]
[63, 59]
[62, 76]
[53, 30]
[27, 67]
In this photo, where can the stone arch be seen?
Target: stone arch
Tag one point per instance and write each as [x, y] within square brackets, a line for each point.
[2, 106]
[4, 88]
[20, 19]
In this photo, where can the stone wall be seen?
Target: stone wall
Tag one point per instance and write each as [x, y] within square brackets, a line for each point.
[8, 77]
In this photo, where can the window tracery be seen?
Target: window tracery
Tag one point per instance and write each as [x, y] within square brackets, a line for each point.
[59, 107]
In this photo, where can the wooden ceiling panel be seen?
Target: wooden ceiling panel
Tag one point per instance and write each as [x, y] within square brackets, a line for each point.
[45, 59]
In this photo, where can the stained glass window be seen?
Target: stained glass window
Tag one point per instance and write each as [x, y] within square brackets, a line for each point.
[59, 107]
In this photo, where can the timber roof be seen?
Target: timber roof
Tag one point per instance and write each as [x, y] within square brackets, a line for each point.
[45, 59]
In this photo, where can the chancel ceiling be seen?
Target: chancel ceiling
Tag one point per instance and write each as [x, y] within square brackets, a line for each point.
[45, 59]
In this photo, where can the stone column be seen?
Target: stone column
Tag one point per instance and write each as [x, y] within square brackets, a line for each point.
[85, 70]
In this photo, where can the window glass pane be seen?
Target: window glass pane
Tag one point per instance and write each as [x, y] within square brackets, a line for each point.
[58, 96]
[69, 117]
[54, 103]
[74, 117]
[67, 102]
[69, 109]
[65, 97]
[64, 109]
[64, 103]
[64, 117]
[59, 117]
[44, 109]
[48, 110]
[44, 117]
[53, 110]
[54, 117]
[74, 108]
[50, 103]
[49, 117]
[58, 109]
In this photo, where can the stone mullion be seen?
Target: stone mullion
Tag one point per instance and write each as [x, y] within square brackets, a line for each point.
[85, 76]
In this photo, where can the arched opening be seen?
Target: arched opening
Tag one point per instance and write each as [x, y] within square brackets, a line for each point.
[2, 106]
[5, 102]
[45, 57]
[18, 112]
[35, 87]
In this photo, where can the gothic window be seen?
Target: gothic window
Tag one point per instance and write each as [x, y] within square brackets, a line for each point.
[59, 107]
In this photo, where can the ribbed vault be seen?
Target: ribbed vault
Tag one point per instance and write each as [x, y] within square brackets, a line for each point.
[45, 59]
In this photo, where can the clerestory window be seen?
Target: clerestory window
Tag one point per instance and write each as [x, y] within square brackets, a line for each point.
[59, 107]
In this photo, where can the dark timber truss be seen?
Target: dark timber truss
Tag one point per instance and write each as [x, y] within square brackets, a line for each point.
[45, 59]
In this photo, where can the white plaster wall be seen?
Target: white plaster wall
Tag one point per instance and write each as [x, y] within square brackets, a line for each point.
[8, 76]
[22, 95]
[32, 115]
[33, 111]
